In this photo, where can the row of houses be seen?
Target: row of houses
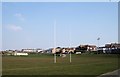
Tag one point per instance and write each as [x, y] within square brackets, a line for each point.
[86, 48]
[24, 52]
[32, 50]
[73, 50]
[56, 50]
[108, 48]
[63, 50]
[113, 48]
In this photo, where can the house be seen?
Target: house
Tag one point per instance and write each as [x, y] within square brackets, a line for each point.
[39, 50]
[29, 50]
[48, 50]
[101, 49]
[91, 48]
[71, 50]
[59, 50]
[85, 48]
[8, 52]
[113, 48]
[56, 50]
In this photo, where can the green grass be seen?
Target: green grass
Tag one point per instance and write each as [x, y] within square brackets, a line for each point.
[88, 64]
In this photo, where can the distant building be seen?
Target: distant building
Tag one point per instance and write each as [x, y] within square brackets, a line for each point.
[68, 50]
[39, 50]
[110, 48]
[62, 50]
[29, 50]
[85, 48]
[91, 48]
[56, 50]
[8, 52]
[14, 52]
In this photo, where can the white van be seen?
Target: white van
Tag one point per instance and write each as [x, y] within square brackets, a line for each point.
[78, 53]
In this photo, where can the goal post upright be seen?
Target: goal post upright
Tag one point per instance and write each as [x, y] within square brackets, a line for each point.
[54, 41]
[70, 43]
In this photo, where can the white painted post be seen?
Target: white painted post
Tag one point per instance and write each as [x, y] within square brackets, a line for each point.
[70, 58]
[55, 41]
[70, 43]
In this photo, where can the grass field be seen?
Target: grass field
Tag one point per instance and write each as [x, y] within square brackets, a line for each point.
[87, 64]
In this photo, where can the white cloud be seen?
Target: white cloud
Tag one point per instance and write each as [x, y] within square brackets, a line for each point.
[14, 27]
[19, 16]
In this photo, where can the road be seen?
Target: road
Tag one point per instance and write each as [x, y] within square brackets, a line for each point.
[115, 73]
